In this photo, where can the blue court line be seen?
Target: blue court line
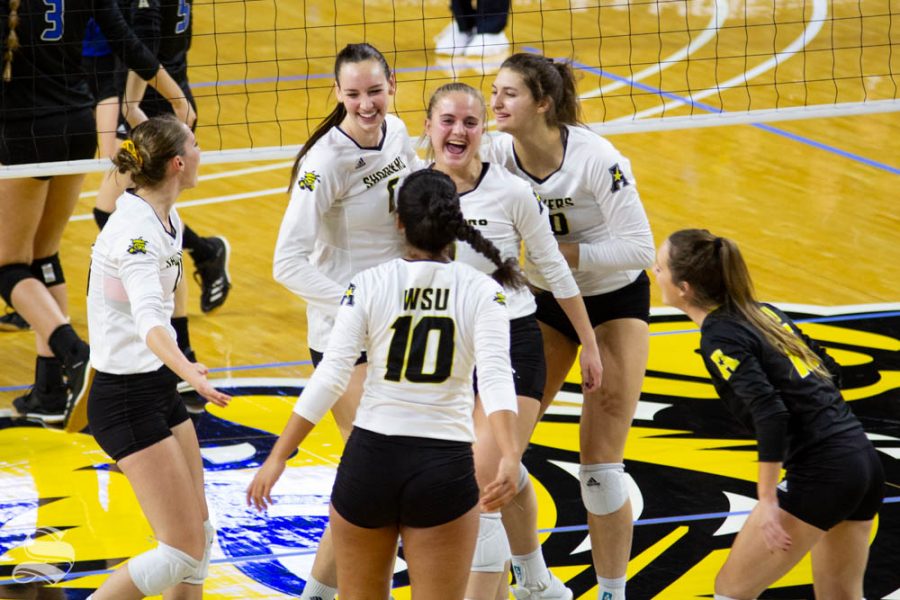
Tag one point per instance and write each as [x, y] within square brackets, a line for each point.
[298, 363]
[709, 108]
[309, 551]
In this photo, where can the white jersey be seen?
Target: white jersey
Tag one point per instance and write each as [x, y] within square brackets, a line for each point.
[593, 202]
[506, 211]
[425, 325]
[135, 267]
[340, 219]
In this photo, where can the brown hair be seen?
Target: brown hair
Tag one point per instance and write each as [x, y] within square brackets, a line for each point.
[12, 40]
[449, 88]
[352, 53]
[152, 144]
[428, 208]
[718, 276]
[549, 80]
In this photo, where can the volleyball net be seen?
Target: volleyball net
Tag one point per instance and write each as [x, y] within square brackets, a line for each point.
[261, 70]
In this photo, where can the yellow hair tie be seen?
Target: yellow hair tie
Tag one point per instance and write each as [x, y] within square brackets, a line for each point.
[128, 146]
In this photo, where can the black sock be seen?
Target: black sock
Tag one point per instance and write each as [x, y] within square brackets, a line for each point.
[64, 342]
[200, 249]
[182, 333]
[48, 373]
[101, 217]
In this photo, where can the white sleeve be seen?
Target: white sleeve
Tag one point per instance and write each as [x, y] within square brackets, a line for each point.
[495, 382]
[330, 378]
[139, 273]
[299, 229]
[533, 224]
[630, 245]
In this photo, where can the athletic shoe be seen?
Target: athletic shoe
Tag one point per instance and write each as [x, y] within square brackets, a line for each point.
[555, 590]
[487, 44]
[78, 372]
[452, 40]
[212, 275]
[13, 321]
[48, 406]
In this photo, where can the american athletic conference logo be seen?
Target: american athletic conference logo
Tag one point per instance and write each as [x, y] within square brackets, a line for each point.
[48, 559]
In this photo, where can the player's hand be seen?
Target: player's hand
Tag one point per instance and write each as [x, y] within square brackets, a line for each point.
[133, 114]
[773, 532]
[259, 492]
[203, 387]
[502, 489]
[185, 112]
[591, 368]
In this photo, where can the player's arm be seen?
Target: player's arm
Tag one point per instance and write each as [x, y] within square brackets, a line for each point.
[630, 245]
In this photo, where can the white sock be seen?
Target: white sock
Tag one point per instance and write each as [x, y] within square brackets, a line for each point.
[317, 590]
[611, 589]
[530, 569]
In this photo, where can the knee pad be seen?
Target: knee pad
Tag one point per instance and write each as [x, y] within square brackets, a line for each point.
[492, 548]
[203, 570]
[10, 276]
[523, 478]
[604, 488]
[161, 568]
[48, 270]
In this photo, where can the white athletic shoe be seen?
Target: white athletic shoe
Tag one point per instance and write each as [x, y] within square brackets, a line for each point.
[487, 44]
[452, 40]
[556, 590]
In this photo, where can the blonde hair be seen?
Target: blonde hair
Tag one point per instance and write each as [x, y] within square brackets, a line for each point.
[12, 40]
[449, 88]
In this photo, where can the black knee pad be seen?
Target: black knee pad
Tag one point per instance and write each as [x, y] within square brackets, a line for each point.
[48, 270]
[10, 276]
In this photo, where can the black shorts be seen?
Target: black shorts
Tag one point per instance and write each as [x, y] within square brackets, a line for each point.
[838, 479]
[127, 413]
[49, 138]
[105, 76]
[318, 356]
[397, 480]
[629, 302]
[526, 353]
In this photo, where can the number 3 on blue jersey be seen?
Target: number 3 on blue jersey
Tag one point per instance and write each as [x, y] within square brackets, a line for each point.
[54, 18]
[184, 11]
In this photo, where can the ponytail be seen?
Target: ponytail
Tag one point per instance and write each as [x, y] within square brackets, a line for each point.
[146, 154]
[332, 120]
[508, 273]
[551, 80]
[718, 276]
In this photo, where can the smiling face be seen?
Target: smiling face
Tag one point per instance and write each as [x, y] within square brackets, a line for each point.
[455, 126]
[513, 104]
[364, 89]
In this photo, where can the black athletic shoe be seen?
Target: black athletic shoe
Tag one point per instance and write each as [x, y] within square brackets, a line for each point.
[48, 406]
[77, 368]
[13, 321]
[212, 275]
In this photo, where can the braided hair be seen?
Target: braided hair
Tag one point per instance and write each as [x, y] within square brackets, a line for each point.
[12, 40]
[428, 209]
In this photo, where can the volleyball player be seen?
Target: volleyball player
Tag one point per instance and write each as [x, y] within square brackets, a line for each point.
[506, 211]
[134, 410]
[340, 221]
[165, 26]
[782, 385]
[598, 219]
[53, 121]
[425, 322]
